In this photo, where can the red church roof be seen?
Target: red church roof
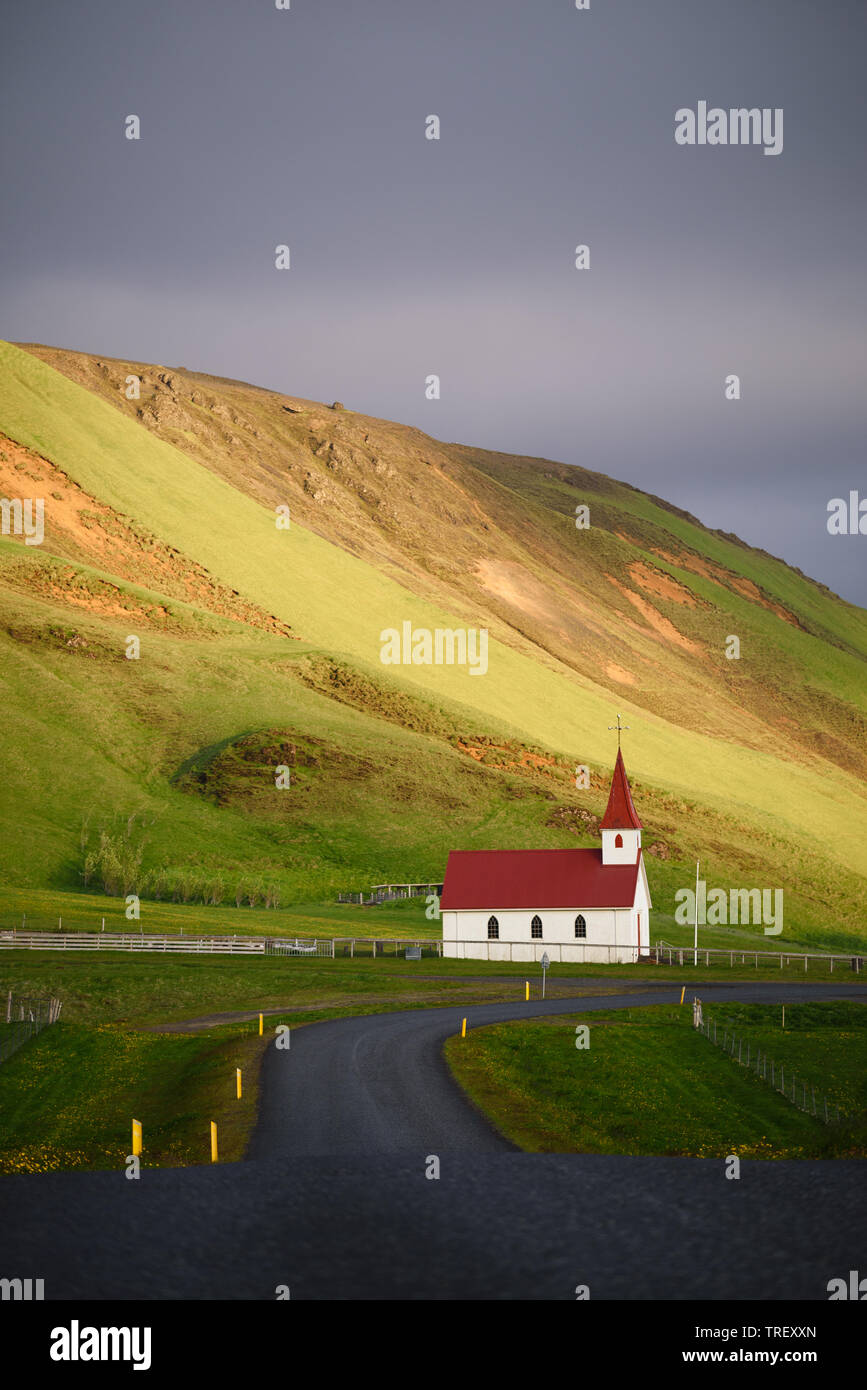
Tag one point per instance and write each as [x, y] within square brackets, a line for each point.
[620, 814]
[536, 878]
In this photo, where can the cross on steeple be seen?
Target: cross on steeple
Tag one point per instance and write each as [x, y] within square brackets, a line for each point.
[620, 729]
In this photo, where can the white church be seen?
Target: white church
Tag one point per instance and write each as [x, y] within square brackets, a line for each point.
[573, 904]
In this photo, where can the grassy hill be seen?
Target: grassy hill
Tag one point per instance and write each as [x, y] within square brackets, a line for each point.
[260, 647]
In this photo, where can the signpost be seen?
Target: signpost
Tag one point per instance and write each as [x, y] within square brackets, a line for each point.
[545, 962]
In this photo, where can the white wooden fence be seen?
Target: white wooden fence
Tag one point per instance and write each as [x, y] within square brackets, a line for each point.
[211, 945]
[129, 941]
[664, 954]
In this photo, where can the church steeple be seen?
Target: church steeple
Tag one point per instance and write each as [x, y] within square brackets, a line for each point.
[620, 813]
[620, 826]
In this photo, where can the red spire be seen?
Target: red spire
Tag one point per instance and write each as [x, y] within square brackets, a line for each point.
[620, 814]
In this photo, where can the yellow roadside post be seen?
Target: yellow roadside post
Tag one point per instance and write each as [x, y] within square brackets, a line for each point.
[213, 1142]
[527, 991]
[136, 1136]
[238, 1080]
[682, 993]
[260, 1025]
[464, 1029]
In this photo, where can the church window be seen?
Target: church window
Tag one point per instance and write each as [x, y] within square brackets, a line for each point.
[493, 929]
[536, 927]
[580, 926]
[618, 841]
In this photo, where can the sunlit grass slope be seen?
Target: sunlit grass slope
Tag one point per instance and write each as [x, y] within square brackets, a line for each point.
[383, 790]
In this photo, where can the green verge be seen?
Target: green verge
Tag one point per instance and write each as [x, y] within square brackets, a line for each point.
[68, 1098]
[143, 989]
[650, 1084]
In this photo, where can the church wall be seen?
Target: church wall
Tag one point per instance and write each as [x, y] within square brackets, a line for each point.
[611, 935]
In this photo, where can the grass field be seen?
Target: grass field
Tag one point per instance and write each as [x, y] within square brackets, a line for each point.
[43, 911]
[650, 1084]
[68, 1098]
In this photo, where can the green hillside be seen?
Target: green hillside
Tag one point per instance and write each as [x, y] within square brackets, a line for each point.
[259, 643]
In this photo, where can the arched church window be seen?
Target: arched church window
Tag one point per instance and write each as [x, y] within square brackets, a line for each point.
[493, 929]
[536, 927]
[580, 926]
[618, 841]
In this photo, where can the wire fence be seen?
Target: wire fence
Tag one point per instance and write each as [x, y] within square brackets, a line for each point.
[24, 1018]
[782, 1079]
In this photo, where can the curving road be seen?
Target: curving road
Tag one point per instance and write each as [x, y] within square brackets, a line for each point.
[379, 1084]
[334, 1202]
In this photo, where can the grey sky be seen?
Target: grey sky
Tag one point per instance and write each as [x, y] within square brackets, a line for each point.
[456, 257]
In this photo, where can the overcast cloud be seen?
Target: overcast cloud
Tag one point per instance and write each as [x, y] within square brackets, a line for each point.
[456, 256]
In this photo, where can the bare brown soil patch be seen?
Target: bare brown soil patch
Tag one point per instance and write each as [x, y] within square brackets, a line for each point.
[654, 581]
[617, 673]
[654, 618]
[80, 528]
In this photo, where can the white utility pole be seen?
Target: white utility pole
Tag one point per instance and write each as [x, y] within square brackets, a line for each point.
[695, 939]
